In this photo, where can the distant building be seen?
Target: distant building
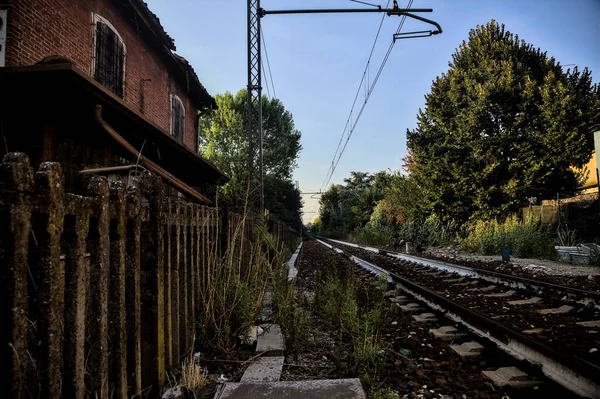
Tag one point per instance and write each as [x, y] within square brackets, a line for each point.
[591, 183]
[60, 59]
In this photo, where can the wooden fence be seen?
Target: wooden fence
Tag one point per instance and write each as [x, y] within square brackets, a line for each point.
[101, 290]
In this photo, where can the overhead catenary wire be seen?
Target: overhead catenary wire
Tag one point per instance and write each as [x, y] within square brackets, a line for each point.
[350, 123]
[265, 79]
[365, 74]
[264, 44]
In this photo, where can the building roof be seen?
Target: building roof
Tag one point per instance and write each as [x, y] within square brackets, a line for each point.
[180, 68]
[62, 88]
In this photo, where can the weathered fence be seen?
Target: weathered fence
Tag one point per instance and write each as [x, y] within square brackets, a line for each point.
[101, 290]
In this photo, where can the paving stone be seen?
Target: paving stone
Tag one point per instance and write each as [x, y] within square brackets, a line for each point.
[271, 340]
[410, 307]
[590, 324]
[560, 310]
[505, 294]
[468, 349]
[264, 369]
[307, 389]
[529, 301]
[447, 333]
[511, 376]
[425, 318]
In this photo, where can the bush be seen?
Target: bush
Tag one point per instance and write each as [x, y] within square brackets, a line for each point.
[526, 239]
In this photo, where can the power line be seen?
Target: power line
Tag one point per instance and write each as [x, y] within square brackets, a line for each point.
[351, 125]
[264, 43]
[365, 73]
[265, 77]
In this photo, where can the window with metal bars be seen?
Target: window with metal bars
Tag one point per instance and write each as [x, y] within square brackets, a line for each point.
[109, 57]
[177, 117]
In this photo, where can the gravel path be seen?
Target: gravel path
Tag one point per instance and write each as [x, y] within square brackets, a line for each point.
[541, 266]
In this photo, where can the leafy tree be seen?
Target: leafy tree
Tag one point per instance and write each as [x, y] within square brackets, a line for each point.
[222, 139]
[503, 124]
[346, 207]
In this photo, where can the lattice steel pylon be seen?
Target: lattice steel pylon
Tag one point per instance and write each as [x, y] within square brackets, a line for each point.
[254, 111]
[254, 100]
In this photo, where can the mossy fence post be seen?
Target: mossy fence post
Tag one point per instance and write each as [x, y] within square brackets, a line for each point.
[101, 289]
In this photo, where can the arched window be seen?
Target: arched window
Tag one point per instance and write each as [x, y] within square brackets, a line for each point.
[108, 65]
[177, 117]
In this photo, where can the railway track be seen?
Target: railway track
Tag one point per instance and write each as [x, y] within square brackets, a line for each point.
[553, 328]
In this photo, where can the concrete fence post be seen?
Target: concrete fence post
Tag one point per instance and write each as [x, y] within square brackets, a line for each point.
[152, 285]
[183, 287]
[132, 291]
[77, 270]
[116, 300]
[48, 275]
[174, 269]
[15, 228]
[97, 318]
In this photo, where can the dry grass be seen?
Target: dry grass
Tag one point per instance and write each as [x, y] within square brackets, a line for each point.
[193, 377]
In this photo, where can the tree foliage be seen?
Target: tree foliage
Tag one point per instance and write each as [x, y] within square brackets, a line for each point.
[343, 208]
[503, 124]
[222, 139]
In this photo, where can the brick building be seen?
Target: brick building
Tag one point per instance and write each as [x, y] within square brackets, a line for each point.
[71, 69]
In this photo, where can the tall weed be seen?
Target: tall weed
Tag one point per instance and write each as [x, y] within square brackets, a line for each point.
[233, 285]
[528, 239]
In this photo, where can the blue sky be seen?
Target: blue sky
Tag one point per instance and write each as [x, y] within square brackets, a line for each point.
[317, 62]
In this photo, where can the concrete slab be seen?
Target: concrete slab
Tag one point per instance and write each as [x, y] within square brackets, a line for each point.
[511, 376]
[530, 301]
[435, 273]
[271, 340]
[467, 283]
[308, 389]
[264, 369]
[468, 349]
[293, 271]
[484, 289]
[560, 310]
[250, 336]
[401, 299]
[504, 294]
[454, 280]
[534, 331]
[425, 318]
[589, 324]
[411, 307]
[447, 333]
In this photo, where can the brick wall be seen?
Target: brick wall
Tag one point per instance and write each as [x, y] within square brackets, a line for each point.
[42, 28]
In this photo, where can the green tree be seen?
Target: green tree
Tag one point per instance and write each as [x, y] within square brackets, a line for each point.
[343, 208]
[222, 139]
[503, 124]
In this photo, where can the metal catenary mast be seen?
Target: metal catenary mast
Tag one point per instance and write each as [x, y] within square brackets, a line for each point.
[254, 106]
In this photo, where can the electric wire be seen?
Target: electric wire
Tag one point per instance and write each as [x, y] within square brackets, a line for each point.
[264, 43]
[335, 161]
[265, 78]
[365, 74]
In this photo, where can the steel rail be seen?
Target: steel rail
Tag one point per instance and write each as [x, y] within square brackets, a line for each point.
[576, 294]
[572, 372]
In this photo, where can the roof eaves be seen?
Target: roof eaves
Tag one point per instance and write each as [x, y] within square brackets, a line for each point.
[152, 22]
